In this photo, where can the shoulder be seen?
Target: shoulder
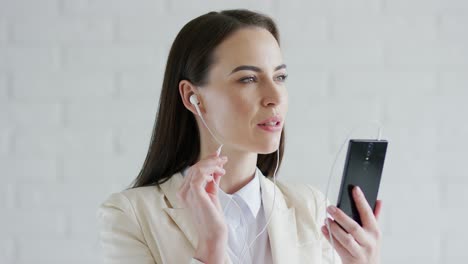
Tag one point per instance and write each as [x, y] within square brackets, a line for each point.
[131, 202]
[303, 196]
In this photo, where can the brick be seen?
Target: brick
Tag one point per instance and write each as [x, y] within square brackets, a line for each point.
[450, 132]
[387, 28]
[63, 197]
[152, 29]
[451, 148]
[423, 56]
[130, 57]
[415, 200]
[20, 170]
[412, 249]
[62, 30]
[3, 31]
[54, 86]
[83, 224]
[200, 7]
[141, 84]
[30, 114]
[8, 196]
[120, 170]
[31, 58]
[453, 83]
[112, 8]
[402, 111]
[453, 7]
[331, 8]
[453, 29]
[410, 154]
[33, 223]
[21, 9]
[134, 141]
[44, 250]
[5, 141]
[454, 197]
[117, 113]
[317, 86]
[3, 87]
[454, 250]
[8, 250]
[348, 113]
[318, 138]
[341, 55]
[410, 8]
[384, 83]
[314, 29]
[64, 142]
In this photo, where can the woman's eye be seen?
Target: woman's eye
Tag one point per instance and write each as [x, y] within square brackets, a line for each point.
[248, 80]
[282, 77]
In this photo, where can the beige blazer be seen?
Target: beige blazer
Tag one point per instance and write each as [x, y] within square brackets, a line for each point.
[148, 225]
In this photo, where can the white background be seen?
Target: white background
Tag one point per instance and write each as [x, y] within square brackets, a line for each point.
[80, 83]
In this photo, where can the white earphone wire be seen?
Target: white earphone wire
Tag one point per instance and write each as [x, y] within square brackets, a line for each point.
[380, 128]
[240, 259]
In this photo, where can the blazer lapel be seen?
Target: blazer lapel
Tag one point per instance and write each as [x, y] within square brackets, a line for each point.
[179, 214]
[282, 229]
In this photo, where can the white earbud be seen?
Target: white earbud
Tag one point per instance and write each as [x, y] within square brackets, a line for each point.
[194, 99]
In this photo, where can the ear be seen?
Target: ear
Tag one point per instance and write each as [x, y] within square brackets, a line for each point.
[186, 89]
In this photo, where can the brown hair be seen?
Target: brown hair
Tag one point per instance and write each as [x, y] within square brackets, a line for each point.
[175, 142]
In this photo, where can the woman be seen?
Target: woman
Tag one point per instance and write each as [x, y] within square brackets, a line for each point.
[174, 213]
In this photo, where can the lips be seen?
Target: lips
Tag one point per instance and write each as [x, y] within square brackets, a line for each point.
[276, 120]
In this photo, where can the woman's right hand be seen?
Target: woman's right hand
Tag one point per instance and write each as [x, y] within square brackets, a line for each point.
[199, 193]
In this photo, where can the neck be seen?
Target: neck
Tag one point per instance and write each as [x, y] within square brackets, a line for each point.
[240, 167]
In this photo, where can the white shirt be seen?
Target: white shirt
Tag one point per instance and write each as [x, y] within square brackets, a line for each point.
[249, 199]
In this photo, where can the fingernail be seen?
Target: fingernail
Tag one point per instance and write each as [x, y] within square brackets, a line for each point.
[325, 230]
[358, 190]
[331, 209]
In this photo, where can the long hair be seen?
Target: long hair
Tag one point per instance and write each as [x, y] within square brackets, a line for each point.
[175, 142]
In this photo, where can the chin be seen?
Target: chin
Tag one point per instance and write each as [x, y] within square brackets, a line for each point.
[270, 148]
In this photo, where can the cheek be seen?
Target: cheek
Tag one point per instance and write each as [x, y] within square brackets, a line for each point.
[235, 114]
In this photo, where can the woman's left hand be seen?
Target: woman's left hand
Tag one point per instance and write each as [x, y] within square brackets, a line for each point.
[357, 244]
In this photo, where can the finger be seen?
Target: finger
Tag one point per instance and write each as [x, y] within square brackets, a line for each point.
[211, 187]
[182, 193]
[348, 224]
[377, 209]
[346, 239]
[200, 179]
[365, 212]
[340, 249]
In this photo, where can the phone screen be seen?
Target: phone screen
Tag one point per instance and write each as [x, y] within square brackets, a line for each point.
[363, 168]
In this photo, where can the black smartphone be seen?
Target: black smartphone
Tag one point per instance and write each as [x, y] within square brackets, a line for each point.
[363, 168]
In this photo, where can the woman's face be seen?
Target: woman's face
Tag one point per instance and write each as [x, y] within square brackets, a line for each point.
[246, 85]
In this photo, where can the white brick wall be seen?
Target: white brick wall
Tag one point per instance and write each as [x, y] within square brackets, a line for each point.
[80, 83]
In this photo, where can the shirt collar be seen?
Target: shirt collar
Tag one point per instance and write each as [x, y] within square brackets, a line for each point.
[250, 194]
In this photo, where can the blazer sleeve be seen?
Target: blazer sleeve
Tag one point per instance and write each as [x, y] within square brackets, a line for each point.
[320, 215]
[120, 235]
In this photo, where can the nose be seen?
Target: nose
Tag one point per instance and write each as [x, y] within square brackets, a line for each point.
[274, 96]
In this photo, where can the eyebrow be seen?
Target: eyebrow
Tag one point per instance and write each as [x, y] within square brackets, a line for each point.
[254, 68]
